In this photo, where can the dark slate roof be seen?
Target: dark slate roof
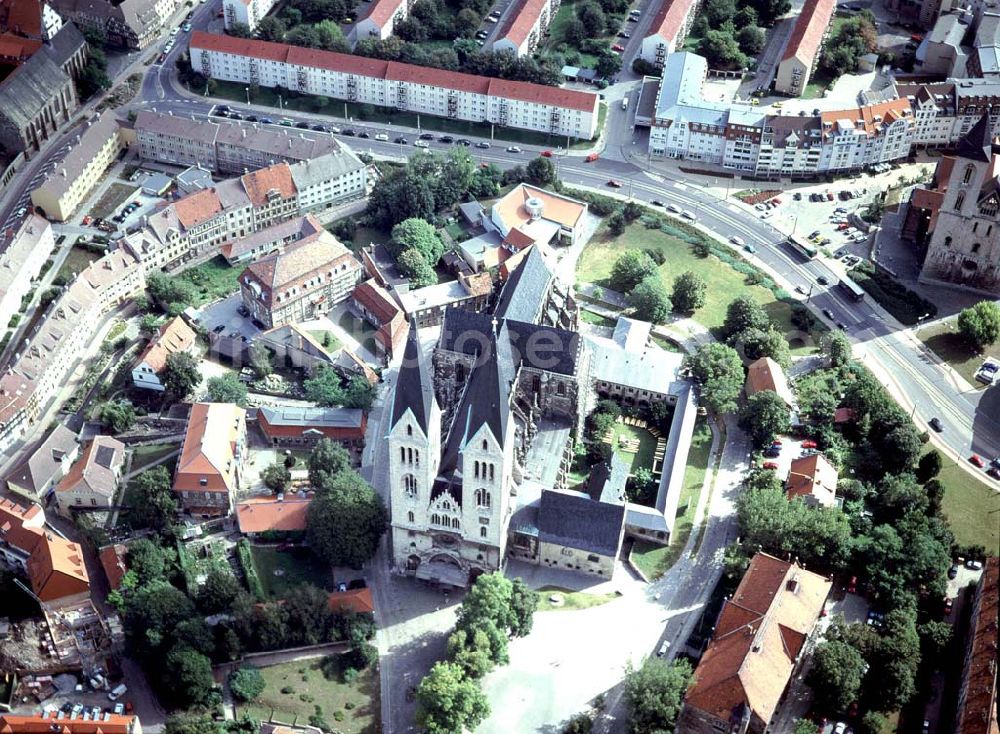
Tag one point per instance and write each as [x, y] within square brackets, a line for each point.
[977, 145]
[413, 386]
[66, 43]
[485, 401]
[575, 520]
[30, 87]
[607, 480]
[542, 347]
[525, 289]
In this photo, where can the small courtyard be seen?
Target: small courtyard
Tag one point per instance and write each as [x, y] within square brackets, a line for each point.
[280, 571]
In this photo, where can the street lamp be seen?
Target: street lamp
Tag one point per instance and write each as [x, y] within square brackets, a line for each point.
[248, 94]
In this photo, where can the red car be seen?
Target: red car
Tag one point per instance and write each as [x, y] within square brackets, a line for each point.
[618, 47]
[776, 201]
[976, 461]
[87, 220]
[546, 154]
[809, 445]
[770, 465]
[852, 585]
[776, 442]
[615, 184]
[592, 157]
[948, 604]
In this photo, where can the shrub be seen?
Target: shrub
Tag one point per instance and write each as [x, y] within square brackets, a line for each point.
[288, 690]
[338, 715]
[350, 675]
[246, 683]
[249, 569]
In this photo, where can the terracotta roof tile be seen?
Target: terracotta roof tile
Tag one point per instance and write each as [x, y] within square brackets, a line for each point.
[197, 208]
[208, 450]
[381, 12]
[42, 724]
[56, 569]
[174, 336]
[262, 514]
[260, 185]
[113, 562]
[766, 374]
[299, 262]
[812, 476]
[669, 19]
[376, 300]
[97, 468]
[810, 26]
[521, 18]
[358, 601]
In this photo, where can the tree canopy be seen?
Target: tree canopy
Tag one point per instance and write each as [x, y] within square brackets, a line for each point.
[719, 370]
[764, 416]
[346, 520]
[448, 702]
[689, 292]
[227, 388]
[655, 693]
[979, 325]
[650, 299]
[630, 269]
[180, 375]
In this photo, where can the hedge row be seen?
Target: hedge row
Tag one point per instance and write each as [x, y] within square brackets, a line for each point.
[249, 569]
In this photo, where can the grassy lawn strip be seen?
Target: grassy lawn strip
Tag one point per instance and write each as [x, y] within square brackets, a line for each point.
[77, 260]
[370, 113]
[294, 568]
[327, 338]
[944, 340]
[724, 283]
[589, 317]
[316, 687]
[654, 560]
[144, 456]
[212, 280]
[570, 599]
[970, 506]
[647, 445]
[906, 306]
[113, 197]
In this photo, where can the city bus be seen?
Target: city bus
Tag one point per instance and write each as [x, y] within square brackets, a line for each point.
[854, 291]
[801, 246]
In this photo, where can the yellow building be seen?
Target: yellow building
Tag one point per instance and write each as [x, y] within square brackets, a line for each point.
[95, 150]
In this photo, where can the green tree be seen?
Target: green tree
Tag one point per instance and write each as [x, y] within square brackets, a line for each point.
[239, 30]
[929, 466]
[324, 387]
[574, 32]
[448, 702]
[153, 504]
[149, 324]
[689, 292]
[541, 171]
[804, 726]
[246, 683]
[764, 416]
[523, 602]
[630, 269]
[472, 651]
[593, 19]
[836, 675]
[415, 267]
[744, 313]
[148, 560]
[872, 723]
[271, 28]
[227, 388]
[346, 520]
[359, 393]
[180, 375]
[608, 64]
[719, 371]
[650, 299]
[190, 677]
[979, 325]
[152, 612]
[216, 595]
[617, 223]
[172, 294]
[326, 460]
[261, 360]
[419, 235]
[308, 613]
[837, 348]
[191, 723]
[768, 342]
[276, 477]
[722, 51]
[117, 416]
[751, 40]
[655, 693]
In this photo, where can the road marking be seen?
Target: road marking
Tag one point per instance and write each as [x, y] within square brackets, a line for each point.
[679, 185]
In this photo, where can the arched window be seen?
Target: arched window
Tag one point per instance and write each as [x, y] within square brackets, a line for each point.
[410, 486]
[476, 470]
[483, 498]
[491, 473]
[410, 517]
[402, 454]
[970, 171]
[409, 430]
[561, 388]
[486, 445]
[454, 522]
[482, 532]
[435, 519]
[416, 454]
[947, 241]
[975, 247]
[959, 200]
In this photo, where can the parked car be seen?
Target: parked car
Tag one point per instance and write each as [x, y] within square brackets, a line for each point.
[673, 208]
[953, 572]
[770, 465]
[615, 184]
[381, 136]
[823, 280]
[446, 139]
[852, 585]
[422, 144]
[482, 144]
[936, 424]
[736, 240]
[546, 154]
[400, 140]
[810, 444]
[976, 461]
[689, 216]
[973, 565]
[426, 136]
[513, 149]
[617, 47]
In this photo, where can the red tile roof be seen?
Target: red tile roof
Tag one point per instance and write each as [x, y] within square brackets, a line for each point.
[381, 12]
[810, 26]
[209, 448]
[977, 712]
[260, 183]
[262, 514]
[197, 208]
[174, 336]
[42, 724]
[376, 300]
[669, 19]
[351, 64]
[56, 569]
[521, 18]
[113, 562]
[22, 16]
[358, 601]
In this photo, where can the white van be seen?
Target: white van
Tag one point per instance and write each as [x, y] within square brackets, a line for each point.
[117, 692]
[382, 136]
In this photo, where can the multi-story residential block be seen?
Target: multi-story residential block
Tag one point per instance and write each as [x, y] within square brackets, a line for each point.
[94, 150]
[934, 113]
[374, 304]
[38, 97]
[525, 25]
[756, 649]
[327, 180]
[804, 46]
[210, 466]
[381, 18]
[958, 216]
[247, 12]
[302, 281]
[940, 54]
[668, 30]
[54, 566]
[262, 242]
[21, 260]
[174, 337]
[685, 125]
[977, 711]
[229, 146]
[42, 723]
[130, 24]
[17, 407]
[93, 480]
[401, 86]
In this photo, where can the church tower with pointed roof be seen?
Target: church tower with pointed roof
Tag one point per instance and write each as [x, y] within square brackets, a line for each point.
[964, 247]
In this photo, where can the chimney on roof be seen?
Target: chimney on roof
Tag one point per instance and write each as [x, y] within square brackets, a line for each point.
[792, 584]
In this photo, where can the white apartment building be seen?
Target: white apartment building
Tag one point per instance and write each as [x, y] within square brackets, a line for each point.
[736, 136]
[381, 19]
[21, 261]
[668, 30]
[248, 12]
[401, 86]
[526, 23]
[327, 180]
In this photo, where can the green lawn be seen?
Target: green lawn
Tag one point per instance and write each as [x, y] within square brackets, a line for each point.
[212, 280]
[281, 571]
[647, 445]
[327, 338]
[906, 306]
[316, 687]
[386, 115]
[654, 560]
[77, 260]
[943, 339]
[665, 344]
[144, 456]
[724, 283]
[589, 317]
[113, 197]
[570, 599]
[972, 507]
